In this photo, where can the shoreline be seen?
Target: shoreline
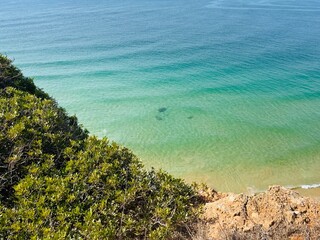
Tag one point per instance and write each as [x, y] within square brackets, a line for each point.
[239, 178]
[313, 193]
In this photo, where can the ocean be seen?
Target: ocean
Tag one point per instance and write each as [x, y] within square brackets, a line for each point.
[225, 92]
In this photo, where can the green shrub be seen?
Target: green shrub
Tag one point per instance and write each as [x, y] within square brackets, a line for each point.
[56, 182]
[102, 193]
[31, 130]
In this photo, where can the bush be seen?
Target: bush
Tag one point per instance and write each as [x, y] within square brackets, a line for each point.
[102, 192]
[57, 182]
[31, 130]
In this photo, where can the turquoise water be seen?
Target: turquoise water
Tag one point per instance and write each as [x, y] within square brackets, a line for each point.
[226, 92]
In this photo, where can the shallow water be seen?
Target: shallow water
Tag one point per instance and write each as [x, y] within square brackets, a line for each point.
[225, 92]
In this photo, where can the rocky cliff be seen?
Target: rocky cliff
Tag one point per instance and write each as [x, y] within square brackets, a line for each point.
[278, 213]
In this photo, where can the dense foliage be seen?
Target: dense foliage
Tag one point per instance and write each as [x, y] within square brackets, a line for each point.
[31, 130]
[56, 182]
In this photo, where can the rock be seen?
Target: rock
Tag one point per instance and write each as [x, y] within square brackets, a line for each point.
[278, 213]
[162, 109]
[159, 118]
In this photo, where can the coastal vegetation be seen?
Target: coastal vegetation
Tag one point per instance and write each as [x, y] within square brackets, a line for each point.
[57, 181]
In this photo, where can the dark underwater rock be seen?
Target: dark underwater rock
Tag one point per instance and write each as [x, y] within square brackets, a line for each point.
[162, 109]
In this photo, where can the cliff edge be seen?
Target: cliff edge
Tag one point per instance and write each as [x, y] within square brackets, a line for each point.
[278, 213]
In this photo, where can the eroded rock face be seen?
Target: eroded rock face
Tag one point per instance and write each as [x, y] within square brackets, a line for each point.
[278, 213]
